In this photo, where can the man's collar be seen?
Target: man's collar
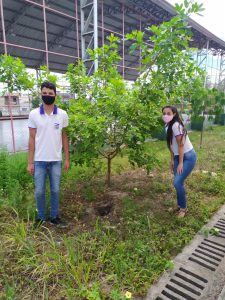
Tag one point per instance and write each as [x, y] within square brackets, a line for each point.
[42, 111]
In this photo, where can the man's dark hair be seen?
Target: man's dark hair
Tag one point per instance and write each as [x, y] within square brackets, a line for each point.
[48, 85]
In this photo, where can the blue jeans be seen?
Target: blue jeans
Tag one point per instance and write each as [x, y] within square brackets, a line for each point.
[189, 162]
[42, 169]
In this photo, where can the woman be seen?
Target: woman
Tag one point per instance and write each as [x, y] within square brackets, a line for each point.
[183, 156]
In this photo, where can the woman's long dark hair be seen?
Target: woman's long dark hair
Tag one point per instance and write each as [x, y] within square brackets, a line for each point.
[176, 118]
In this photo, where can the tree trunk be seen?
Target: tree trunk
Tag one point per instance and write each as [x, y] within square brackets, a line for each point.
[109, 171]
[201, 137]
[11, 120]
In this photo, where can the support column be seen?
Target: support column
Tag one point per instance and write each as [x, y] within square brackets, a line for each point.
[77, 30]
[9, 94]
[217, 70]
[123, 39]
[89, 34]
[3, 26]
[46, 35]
[221, 84]
[205, 81]
[206, 62]
[103, 33]
[140, 52]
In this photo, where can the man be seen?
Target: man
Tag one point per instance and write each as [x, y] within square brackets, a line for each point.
[47, 134]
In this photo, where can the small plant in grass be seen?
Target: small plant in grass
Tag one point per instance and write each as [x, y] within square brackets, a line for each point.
[9, 293]
[214, 231]
[116, 295]
[205, 231]
[3, 173]
[169, 265]
[135, 189]
[89, 194]
[128, 295]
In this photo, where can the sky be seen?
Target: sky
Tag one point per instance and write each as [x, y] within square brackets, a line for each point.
[213, 17]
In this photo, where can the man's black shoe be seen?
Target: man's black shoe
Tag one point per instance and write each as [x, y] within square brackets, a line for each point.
[58, 222]
[38, 223]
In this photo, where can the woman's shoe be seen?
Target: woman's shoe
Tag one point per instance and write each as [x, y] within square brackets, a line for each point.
[182, 212]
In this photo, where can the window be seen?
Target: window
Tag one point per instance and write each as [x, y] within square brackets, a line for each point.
[14, 99]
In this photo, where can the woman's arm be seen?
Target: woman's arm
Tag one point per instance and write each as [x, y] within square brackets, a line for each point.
[179, 139]
[171, 160]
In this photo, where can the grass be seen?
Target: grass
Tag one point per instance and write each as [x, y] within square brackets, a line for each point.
[104, 257]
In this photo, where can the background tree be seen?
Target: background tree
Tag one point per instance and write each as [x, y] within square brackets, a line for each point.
[206, 103]
[14, 75]
[167, 60]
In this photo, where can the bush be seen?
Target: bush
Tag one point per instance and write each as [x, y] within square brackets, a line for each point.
[197, 122]
[159, 133]
[220, 119]
[16, 186]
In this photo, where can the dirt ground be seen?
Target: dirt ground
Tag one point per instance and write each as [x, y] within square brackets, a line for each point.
[83, 203]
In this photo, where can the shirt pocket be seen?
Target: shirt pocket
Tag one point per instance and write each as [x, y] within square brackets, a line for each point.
[57, 126]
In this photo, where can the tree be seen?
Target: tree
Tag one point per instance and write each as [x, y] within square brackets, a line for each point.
[13, 73]
[167, 60]
[206, 102]
[106, 116]
[79, 82]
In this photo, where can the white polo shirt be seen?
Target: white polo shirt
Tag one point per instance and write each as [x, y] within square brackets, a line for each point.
[48, 139]
[178, 129]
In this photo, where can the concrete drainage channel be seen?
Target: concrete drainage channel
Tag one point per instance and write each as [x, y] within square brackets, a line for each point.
[199, 271]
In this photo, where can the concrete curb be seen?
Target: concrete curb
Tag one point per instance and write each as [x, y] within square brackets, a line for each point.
[222, 295]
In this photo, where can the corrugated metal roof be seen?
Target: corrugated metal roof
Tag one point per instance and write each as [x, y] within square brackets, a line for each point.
[25, 27]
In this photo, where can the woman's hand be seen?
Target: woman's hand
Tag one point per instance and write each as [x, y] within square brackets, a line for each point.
[180, 168]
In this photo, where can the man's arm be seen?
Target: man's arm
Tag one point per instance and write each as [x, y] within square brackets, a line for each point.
[65, 142]
[31, 149]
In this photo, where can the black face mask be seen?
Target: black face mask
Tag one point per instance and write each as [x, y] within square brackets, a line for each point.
[48, 100]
